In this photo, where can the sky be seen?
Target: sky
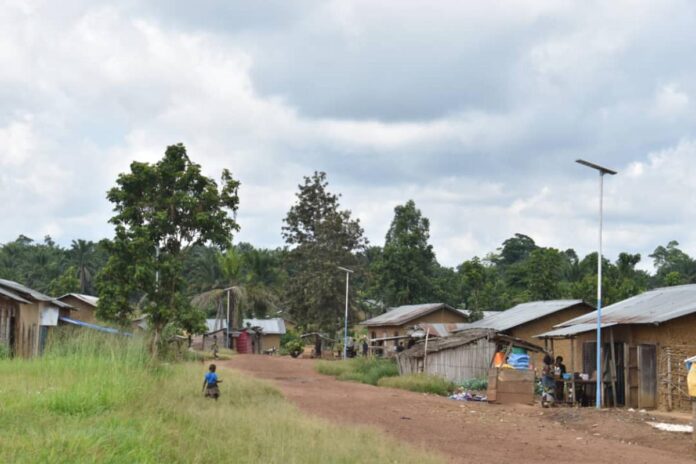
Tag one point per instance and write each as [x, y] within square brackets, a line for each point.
[475, 110]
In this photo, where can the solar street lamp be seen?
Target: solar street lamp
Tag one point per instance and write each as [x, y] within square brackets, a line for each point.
[600, 378]
[345, 321]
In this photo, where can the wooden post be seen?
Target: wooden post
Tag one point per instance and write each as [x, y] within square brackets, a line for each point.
[425, 349]
[613, 366]
[693, 419]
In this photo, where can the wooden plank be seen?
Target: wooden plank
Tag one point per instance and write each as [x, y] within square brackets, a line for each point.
[647, 382]
[517, 398]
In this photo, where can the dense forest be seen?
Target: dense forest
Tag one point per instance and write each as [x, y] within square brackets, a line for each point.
[301, 279]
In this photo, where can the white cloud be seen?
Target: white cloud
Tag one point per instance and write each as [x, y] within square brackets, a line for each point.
[475, 113]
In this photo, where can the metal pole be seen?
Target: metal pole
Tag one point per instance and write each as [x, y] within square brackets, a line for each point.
[600, 376]
[227, 344]
[345, 321]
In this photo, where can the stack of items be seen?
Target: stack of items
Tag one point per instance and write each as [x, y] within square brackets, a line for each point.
[518, 361]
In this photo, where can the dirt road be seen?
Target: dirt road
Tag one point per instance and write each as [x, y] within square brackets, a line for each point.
[473, 432]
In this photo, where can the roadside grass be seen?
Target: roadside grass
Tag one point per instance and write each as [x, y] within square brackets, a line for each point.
[364, 370]
[99, 398]
[422, 383]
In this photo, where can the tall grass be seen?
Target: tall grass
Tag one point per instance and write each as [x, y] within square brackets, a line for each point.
[422, 383]
[365, 370]
[97, 398]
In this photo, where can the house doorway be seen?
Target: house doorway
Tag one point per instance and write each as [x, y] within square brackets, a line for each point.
[13, 336]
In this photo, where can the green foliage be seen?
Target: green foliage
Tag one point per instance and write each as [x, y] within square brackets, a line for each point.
[322, 237]
[161, 210]
[97, 398]
[363, 370]
[65, 283]
[479, 384]
[421, 383]
[291, 343]
[405, 272]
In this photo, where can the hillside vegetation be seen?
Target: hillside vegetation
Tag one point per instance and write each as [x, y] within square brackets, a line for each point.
[95, 398]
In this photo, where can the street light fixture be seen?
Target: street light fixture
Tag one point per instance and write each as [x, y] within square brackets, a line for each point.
[345, 321]
[600, 378]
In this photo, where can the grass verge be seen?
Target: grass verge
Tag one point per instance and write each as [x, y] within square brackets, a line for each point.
[99, 399]
[364, 370]
[422, 383]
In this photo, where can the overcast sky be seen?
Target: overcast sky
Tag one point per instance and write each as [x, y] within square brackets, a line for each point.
[476, 110]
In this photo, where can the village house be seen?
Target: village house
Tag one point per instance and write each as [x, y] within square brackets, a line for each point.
[651, 333]
[527, 320]
[84, 306]
[26, 316]
[257, 335]
[386, 330]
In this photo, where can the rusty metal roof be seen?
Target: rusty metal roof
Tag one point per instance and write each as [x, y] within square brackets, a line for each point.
[464, 338]
[651, 307]
[443, 329]
[404, 314]
[523, 313]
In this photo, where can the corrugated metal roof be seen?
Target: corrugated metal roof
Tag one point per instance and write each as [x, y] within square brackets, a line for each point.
[89, 299]
[652, 307]
[403, 314]
[467, 312]
[443, 330]
[31, 293]
[565, 332]
[100, 328]
[464, 338]
[523, 313]
[12, 296]
[268, 326]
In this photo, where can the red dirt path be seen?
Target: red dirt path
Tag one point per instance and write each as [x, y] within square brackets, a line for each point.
[473, 432]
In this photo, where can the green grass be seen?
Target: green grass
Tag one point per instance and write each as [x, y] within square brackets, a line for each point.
[422, 383]
[364, 370]
[99, 399]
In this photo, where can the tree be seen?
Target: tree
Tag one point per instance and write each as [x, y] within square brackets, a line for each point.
[161, 211]
[67, 282]
[674, 267]
[405, 273]
[320, 237]
[82, 253]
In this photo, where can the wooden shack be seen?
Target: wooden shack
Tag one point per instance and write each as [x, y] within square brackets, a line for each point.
[26, 317]
[460, 357]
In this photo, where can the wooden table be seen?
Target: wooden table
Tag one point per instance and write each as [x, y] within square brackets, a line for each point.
[570, 388]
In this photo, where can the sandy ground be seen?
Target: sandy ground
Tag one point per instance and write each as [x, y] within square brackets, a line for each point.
[474, 432]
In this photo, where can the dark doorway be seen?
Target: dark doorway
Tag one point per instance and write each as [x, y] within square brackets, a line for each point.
[589, 365]
[13, 336]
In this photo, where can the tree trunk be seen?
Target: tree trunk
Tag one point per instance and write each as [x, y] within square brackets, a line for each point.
[156, 337]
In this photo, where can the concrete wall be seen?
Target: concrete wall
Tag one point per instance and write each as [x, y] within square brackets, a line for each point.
[561, 347]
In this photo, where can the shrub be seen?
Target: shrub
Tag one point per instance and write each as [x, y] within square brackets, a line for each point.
[364, 370]
[422, 383]
[4, 352]
[478, 384]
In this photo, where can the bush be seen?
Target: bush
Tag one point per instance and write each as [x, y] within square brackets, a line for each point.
[422, 383]
[364, 370]
[479, 384]
[4, 352]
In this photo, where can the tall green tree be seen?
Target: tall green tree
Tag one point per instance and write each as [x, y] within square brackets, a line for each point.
[82, 254]
[406, 271]
[161, 210]
[320, 237]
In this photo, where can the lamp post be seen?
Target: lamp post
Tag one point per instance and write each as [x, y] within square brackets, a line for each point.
[345, 321]
[600, 377]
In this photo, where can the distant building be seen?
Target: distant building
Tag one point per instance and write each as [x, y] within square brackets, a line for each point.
[387, 329]
[84, 306]
[26, 317]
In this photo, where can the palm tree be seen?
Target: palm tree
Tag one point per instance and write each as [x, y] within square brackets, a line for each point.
[81, 252]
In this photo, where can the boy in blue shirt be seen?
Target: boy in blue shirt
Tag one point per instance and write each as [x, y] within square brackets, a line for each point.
[210, 383]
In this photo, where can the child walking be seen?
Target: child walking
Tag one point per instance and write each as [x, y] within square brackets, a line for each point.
[210, 383]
